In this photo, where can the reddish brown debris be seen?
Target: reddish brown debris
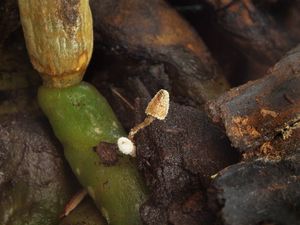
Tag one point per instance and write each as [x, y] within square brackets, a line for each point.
[107, 152]
[263, 112]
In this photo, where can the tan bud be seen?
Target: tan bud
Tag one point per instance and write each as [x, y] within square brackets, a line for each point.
[59, 38]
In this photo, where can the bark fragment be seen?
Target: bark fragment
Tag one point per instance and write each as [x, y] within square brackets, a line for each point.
[265, 110]
[34, 184]
[153, 31]
[177, 157]
[259, 192]
[256, 34]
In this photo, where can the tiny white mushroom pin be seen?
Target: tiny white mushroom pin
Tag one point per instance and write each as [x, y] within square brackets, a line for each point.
[126, 146]
[157, 108]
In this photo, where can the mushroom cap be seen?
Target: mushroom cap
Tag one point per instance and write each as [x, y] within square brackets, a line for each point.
[158, 107]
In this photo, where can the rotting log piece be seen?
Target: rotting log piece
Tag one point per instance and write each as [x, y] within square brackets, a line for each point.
[177, 157]
[285, 13]
[154, 31]
[258, 192]
[257, 35]
[34, 184]
[264, 115]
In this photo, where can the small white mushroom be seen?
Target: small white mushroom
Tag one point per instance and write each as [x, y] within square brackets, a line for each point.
[157, 108]
[126, 146]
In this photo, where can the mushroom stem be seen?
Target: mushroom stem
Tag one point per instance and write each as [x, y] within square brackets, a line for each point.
[157, 108]
[147, 121]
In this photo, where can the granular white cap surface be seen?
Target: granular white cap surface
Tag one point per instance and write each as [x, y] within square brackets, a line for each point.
[126, 146]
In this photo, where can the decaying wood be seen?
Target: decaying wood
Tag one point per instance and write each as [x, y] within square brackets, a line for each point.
[9, 18]
[35, 182]
[292, 20]
[154, 31]
[177, 157]
[258, 192]
[18, 80]
[264, 112]
[255, 34]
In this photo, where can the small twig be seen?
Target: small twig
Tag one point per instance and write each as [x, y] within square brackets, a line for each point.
[73, 203]
[122, 98]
